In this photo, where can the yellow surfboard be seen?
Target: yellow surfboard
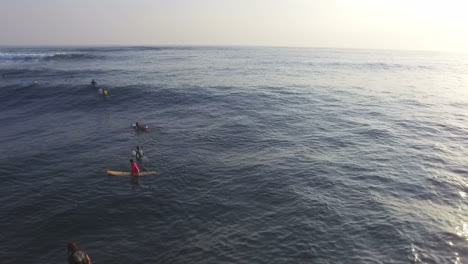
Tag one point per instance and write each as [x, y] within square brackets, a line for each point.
[127, 173]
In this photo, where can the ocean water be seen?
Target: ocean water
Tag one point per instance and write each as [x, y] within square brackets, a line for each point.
[265, 155]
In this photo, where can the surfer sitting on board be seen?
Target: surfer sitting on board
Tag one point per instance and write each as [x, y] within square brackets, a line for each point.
[135, 169]
[76, 256]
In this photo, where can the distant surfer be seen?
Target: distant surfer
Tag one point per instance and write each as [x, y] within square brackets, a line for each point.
[103, 92]
[93, 83]
[77, 256]
[135, 169]
[140, 126]
[139, 153]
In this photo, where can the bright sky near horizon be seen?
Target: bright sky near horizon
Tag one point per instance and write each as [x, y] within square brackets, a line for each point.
[440, 25]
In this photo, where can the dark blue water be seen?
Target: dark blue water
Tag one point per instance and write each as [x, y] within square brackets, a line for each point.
[265, 155]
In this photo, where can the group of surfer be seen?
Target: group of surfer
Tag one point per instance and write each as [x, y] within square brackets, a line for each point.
[139, 154]
[139, 151]
[75, 255]
[105, 92]
[78, 256]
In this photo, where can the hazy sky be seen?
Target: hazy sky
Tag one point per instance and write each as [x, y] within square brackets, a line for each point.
[381, 24]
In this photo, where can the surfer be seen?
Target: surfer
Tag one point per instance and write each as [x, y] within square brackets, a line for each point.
[140, 126]
[139, 153]
[76, 256]
[103, 92]
[135, 169]
[93, 83]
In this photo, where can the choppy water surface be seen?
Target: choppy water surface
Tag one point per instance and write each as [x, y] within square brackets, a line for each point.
[266, 155]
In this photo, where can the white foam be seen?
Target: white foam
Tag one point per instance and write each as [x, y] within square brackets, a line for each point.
[16, 56]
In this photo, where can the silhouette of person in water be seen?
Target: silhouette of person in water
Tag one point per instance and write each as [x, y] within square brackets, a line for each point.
[139, 153]
[93, 83]
[141, 127]
[77, 256]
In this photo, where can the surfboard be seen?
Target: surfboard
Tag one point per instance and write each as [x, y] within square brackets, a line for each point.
[127, 173]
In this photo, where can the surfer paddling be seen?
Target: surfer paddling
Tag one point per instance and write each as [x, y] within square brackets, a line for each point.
[142, 127]
[77, 256]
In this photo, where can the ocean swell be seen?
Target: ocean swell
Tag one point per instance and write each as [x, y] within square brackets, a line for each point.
[45, 56]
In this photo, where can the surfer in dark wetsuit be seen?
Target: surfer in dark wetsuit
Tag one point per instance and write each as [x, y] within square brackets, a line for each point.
[76, 256]
[93, 83]
[141, 126]
[139, 153]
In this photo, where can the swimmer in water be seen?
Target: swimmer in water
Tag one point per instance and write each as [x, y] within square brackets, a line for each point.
[93, 83]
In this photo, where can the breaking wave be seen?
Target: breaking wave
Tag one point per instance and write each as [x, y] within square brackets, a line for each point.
[46, 56]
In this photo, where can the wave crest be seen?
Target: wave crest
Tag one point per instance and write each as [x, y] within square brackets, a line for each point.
[45, 56]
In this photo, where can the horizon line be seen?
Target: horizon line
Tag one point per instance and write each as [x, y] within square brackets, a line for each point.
[226, 45]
